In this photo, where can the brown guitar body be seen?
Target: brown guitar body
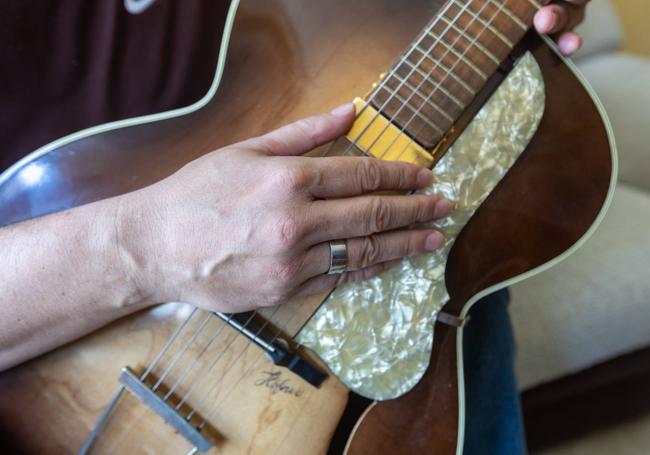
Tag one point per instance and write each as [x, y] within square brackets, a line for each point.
[285, 61]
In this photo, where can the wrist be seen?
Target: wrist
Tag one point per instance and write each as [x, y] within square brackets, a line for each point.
[132, 240]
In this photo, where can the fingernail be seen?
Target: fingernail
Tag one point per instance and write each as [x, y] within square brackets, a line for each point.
[343, 111]
[434, 241]
[548, 22]
[425, 178]
[443, 208]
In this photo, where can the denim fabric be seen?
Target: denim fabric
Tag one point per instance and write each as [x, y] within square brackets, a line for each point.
[494, 422]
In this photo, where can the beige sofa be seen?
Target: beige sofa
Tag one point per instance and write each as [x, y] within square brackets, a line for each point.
[595, 306]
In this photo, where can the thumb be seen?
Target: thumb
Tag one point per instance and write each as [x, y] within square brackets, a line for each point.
[304, 135]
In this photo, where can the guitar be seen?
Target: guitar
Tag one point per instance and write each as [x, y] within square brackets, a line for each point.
[290, 402]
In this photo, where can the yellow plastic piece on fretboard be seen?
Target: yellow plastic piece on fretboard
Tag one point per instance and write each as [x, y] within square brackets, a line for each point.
[375, 135]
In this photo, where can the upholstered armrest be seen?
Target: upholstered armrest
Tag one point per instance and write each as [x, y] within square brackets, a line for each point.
[622, 82]
[602, 31]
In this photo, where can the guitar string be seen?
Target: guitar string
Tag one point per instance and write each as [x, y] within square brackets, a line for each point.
[228, 368]
[417, 112]
[499, 9]
[189, 369]
[182, 352]
[167, 345]
[384, 81]
[248, 370]
[204, 375]
[440, 82]
[390, 74]
[279, 332]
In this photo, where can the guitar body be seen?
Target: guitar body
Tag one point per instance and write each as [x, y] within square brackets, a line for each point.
[286, 61]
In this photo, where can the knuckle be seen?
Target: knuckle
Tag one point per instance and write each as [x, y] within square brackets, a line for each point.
[290, 232]
[370, 252]
[422, 209]
[380, 216]
[368, 174]
[291, 180]
[404, 177]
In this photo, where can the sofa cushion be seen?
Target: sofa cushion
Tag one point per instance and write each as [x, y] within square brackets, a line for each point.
[602, 31]
[592, 307]
[622, 82]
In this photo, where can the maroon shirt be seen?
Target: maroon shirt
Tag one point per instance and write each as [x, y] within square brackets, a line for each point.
[72, 64]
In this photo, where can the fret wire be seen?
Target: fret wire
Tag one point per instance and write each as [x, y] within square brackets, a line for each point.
[405, 103]
[460, 57]
[455, 100]
[508, 12]
[394, 116]
[354, 142]
[478, 45]
[418, 132]
[420, 115]
[412, 140]
[446, 69]
[496, 32]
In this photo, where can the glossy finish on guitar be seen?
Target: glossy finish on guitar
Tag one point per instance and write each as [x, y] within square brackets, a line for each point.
[286, 61]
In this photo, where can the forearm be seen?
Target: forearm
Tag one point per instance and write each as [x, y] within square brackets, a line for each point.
[62, 277]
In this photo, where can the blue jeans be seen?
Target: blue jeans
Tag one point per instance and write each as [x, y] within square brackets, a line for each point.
[494, 423]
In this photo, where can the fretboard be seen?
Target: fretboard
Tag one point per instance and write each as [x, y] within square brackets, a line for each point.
[449, 63]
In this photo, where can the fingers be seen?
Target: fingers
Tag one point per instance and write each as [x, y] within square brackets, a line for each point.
[324, 283]
[560, 19]
[364, 252]
[304, 135]
[569, 43]
[337, 177]
[551, 19]
[366, 215]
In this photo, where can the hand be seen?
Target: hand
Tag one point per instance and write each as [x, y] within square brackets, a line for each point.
[559, 19]
[248, 226]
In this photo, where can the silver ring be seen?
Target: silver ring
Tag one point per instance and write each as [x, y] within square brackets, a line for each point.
[338, 257]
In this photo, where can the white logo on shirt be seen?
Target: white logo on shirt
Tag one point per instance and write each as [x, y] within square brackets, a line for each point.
[137, 6]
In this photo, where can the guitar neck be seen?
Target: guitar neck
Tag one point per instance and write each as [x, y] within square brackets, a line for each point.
[418, 101]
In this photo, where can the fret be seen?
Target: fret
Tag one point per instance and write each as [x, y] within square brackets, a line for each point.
[475, 43]
[416, 112]
[458, 55]
[503, 8]
[486, 24]
[426, 98]
[426, 78]
[445, 68]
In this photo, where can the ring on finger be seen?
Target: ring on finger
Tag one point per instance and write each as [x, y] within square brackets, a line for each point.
[338, 257]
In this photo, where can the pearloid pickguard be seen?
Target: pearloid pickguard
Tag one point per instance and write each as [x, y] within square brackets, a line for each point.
[377, 336]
